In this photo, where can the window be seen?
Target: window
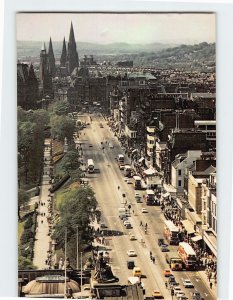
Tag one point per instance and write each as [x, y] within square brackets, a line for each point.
[179, 182]
[179, 172]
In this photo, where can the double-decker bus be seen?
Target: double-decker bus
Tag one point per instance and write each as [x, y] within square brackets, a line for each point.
[171, 232]
[149, 197]
[188, 256]
[137, 182]
[90, 166]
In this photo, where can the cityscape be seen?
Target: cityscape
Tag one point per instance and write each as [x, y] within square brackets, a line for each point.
[117, 156]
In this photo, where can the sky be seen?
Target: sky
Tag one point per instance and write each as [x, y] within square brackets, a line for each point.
[110, 28]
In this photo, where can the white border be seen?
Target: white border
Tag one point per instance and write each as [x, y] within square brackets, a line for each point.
[8, 177]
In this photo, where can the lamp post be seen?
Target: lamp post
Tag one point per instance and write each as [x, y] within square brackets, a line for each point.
[77, 250]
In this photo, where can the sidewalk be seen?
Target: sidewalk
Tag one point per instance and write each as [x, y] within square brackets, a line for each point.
[205, 280]
[43, 241]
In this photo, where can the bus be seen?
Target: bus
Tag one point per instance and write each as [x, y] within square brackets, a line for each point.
[188, 256]
[171, 233]
[175, 263]
[137, 182]
[90, 166]
[150, 197]
[121, 160]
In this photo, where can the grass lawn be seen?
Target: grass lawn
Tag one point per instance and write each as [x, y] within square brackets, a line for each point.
[61, 193]
[20, 230]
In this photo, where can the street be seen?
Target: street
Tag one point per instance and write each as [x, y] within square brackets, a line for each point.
[105, 182]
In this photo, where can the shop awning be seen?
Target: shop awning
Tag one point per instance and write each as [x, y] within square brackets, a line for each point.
[196, 238]
[189, 226]
[141, 159]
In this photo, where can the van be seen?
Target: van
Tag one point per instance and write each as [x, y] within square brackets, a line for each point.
[137, 272]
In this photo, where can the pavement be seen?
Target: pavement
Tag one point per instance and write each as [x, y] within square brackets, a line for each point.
[43, 241]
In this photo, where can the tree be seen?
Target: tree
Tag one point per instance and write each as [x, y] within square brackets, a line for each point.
[61, 108]
[61, 127]
[25, 263]
[70, 161]
[23, 198]
[78, 209]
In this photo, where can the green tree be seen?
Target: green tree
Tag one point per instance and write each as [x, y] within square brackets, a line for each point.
[23, 198]
[70, 161]
[61, 127]
[61, 108]
[78, 209]
[25, 263]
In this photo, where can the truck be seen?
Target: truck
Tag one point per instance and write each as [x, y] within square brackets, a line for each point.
[187, 255]
[175, 263]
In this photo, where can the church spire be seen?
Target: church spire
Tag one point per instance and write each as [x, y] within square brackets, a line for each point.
[63, 54]
[51, 59]
[72, 55]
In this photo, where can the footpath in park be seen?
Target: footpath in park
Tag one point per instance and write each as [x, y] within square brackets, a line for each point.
[42, 246]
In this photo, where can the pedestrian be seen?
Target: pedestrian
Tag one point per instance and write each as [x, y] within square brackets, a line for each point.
[146, 225]
[153, 259]
[211, 284]
[41, 221]
[141, 223]
[133, 212]
[150, 253]
[166, 284]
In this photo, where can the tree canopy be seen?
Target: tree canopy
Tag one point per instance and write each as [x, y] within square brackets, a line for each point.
[61, 127]
[62, 108]
[77, 210]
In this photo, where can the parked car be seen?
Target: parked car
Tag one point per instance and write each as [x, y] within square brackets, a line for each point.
[132, 237]
[131, 253]
[187, 283]
[144, 210]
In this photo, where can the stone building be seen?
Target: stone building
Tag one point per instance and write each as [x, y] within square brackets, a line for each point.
[45, 77]
[27, 87]
[72, 60]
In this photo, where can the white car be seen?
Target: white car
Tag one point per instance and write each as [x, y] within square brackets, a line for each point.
[110, 146]
[129, 181]
[181, 295]
[177, 290]
[131, 253]
[187, 283]
[144, 210]
[122, 167]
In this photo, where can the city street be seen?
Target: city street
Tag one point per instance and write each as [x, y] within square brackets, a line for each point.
[105, 182]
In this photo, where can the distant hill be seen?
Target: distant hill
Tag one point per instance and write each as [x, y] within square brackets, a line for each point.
[26, 48]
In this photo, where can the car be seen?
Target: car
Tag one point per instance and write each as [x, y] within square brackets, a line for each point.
[144, 210]
[110, 146]
[90, 145]
[161, 241]
[172, 281]
[132, 237]
[126, 222]
[181, 295]
[131, 253]
[157, 295]
[129, 181]
[164, 248]
[167, 273]
[101, 125]
[187, 283]
[121, 167]
[196, 296]
[130, 264]
[128, 226]
[177, 290]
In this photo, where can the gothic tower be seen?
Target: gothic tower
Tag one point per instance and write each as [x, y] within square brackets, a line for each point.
[72, 55]
[51, 59]
[45, 76]
[63, 54]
